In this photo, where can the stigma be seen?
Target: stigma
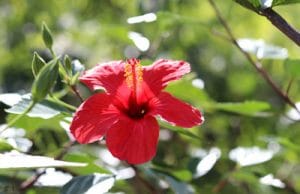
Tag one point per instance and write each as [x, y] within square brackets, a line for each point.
[133, 73]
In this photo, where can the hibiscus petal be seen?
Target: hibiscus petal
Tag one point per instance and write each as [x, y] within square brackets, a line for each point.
[161, 72]
[108, 76]
[133, 140]
[93, 118]
[175, 111]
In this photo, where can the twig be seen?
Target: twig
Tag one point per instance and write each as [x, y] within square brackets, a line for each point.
[31, 180]
[256, 64]
[281, 24]
[74, 89]
[220, 186]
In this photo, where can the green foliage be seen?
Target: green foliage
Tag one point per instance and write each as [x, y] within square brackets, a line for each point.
[240, 108]
[284, 2]
[47, 36]
[5, 146]
[37, 64]
[44, 81]
[293, 67]
[250, 108]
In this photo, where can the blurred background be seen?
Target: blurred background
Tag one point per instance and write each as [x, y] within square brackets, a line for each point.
[223, 85]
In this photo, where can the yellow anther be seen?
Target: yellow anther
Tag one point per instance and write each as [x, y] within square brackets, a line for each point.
[133, 73]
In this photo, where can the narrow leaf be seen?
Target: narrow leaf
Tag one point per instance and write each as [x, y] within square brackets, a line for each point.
[37, 64]
[18, 160]
[47, 37]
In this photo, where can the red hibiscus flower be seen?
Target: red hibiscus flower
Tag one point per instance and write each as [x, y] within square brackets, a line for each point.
[125, 112]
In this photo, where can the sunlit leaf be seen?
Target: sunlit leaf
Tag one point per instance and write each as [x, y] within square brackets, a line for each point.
[246, 156]
[262, 50]
[33, 123]
[90, 184]
[44, 109]
[18, 160]
[15, 138]
[207, 162]
[270, 180]
[10, 99]
[53, 178]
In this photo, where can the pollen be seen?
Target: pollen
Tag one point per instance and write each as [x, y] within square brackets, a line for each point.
[133, 73]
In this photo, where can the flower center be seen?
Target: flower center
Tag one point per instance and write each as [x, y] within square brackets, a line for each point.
[137, 111]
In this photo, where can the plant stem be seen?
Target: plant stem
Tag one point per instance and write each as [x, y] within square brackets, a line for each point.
[62, 103]
[74, 89]
[256, 64]
[15, 119]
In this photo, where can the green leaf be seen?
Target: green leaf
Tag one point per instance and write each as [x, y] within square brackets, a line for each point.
[37, 64]
[45, 109]
[5, 146]
[249, 108]
[244, 176]
[284, 2]
[287, 143]
[179, 174]
[194, 95]
[47, 37]
[34, 123]
[18, 160]
[86, 158]
[45, 81]
[293, 67]
[68, 65]
[95, 183]
[179, 130]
